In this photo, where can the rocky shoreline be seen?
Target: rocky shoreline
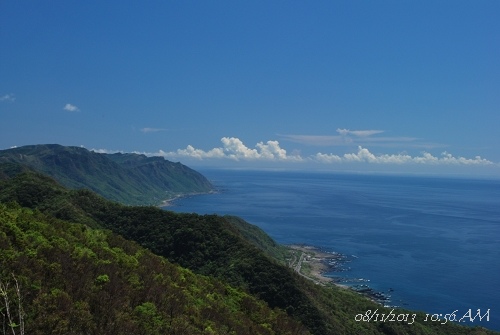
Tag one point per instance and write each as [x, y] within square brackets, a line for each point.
[319, 262]
[314, 263]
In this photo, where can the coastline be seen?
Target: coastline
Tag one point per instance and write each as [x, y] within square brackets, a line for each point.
[168, 202]
[247, 193]
[312, 263]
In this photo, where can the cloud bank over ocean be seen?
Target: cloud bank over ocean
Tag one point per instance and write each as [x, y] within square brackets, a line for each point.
[271, 151]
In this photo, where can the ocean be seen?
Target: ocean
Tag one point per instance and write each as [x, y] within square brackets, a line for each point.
[430, 243]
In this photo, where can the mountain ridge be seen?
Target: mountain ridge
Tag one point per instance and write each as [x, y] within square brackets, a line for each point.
[132, 179]
[215, 247]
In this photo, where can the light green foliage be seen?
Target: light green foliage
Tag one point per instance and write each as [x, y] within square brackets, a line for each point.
[80, 280]
[148, 318]
[95, 282]
[102, 279]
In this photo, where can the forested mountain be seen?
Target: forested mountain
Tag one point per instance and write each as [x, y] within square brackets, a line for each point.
[127, 178]
[63, 278]
[227, 251]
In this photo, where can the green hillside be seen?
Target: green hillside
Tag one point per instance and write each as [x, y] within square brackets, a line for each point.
[127, 178]
[218, 247]
[77, 280]
[259, 238]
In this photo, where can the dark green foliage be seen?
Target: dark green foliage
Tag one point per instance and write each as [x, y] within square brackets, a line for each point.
[9, 170]
[208, 245]
[126, 178]
[259, 238]
[76, 280]
[213, 246]
[34, 190]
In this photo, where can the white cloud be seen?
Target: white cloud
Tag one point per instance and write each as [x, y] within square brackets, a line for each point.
[364, 155]
[71, 108]
[151, 130]
[191, 152]
[361, 133]
[8, 97]
[233, 148]
[354, 138]
[105, 151]
[317, 140]
[271, 151]
[337, 140]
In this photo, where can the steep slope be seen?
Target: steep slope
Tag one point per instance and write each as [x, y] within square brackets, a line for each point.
[76, 280]
[126, 178]
[214, 246]
[259, 238]
[165, 174]
[208, 245]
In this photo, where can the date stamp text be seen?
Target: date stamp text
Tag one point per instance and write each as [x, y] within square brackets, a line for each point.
[468, 316]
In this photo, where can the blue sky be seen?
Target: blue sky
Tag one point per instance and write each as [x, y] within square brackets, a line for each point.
[390, 86]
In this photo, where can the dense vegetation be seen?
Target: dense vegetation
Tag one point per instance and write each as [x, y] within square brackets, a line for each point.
[126, 178]
[76, 280]
[226, 249]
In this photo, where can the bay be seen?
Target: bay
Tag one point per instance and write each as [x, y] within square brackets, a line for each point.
[432, 243]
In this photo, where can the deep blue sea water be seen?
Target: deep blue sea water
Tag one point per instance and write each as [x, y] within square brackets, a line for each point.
[433, 243]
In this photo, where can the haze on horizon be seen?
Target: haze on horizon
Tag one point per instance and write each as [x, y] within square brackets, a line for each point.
[341, 86]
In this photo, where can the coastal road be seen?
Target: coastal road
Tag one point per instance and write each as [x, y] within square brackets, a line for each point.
[298, 267]
[299, 263]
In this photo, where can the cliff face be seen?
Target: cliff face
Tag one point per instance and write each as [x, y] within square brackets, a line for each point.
[127, 178]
